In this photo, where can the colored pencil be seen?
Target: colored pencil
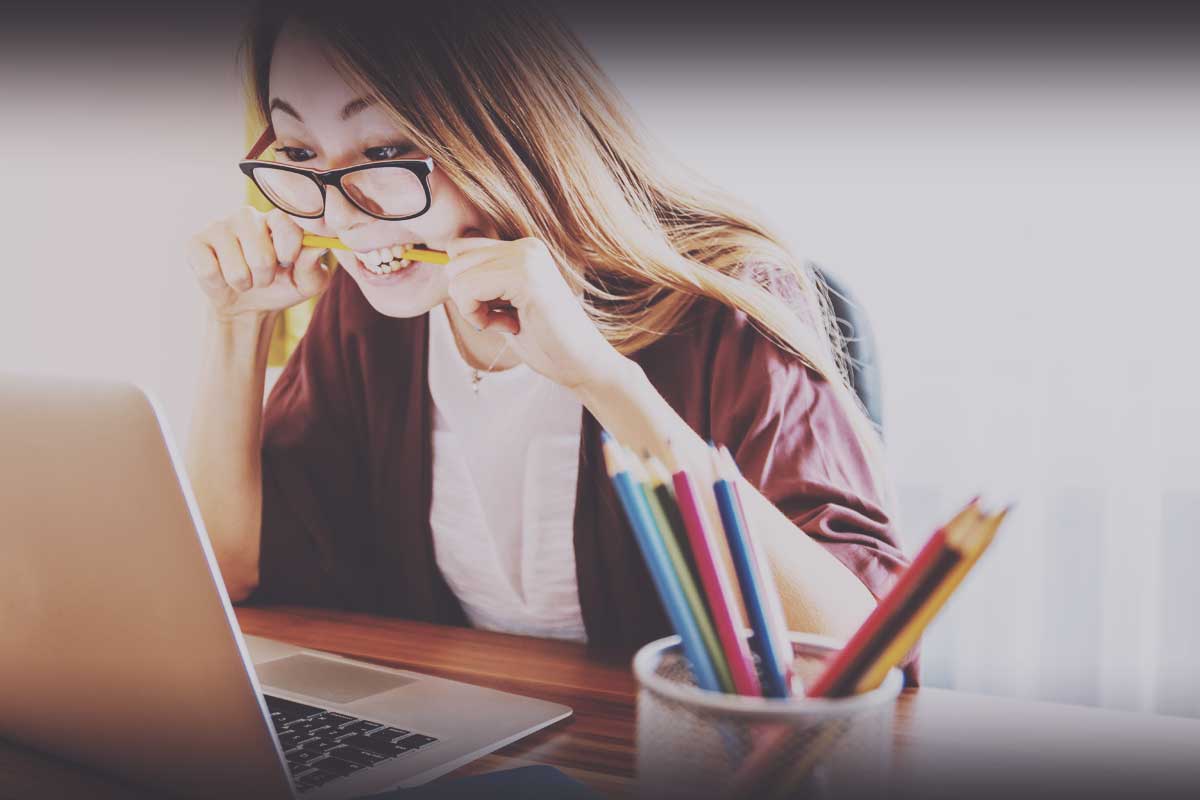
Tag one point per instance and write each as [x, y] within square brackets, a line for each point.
[719, 585]
[775, 616]
[775, 681]
[412, 254]
[905, 613]
[658, 563]
[848, 665]
[973, 543]
[670, 531]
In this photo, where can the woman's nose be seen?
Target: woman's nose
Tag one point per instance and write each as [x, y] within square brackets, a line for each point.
[340, 213]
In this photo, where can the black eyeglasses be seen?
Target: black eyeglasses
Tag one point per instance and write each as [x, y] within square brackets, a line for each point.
[391, 190]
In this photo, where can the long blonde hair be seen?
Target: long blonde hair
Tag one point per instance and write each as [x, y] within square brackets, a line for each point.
[515, 111]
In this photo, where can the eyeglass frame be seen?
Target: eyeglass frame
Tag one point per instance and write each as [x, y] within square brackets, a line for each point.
[421, 167]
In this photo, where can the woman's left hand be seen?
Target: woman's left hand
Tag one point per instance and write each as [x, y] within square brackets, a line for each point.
[547, 327]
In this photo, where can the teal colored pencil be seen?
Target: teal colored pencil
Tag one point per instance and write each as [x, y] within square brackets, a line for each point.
[670, 531]
[658, 562]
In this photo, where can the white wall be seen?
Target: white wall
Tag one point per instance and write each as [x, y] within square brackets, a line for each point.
[114, 149]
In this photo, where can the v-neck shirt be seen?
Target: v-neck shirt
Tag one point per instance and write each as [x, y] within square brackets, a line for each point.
[505, 468]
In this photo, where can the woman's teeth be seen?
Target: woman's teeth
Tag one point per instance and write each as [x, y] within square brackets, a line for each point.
[386, 260]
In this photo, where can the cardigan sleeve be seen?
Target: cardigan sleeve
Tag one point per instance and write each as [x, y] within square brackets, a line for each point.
[792, 439]
[312, 468]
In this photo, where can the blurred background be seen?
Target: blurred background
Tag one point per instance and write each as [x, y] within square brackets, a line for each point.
[1011, 195]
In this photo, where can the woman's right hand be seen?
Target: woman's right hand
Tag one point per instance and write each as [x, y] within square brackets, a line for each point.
[253, 263]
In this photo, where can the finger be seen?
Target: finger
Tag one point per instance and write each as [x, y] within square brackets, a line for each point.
[205, 266]
[309, 275]
[286, 237]
[480, 260]
[255, 239]
[468, 244]
[473, 288]
[467, 261]
[233, 264]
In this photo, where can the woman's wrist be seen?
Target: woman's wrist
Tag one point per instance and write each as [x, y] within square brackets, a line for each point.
[628, 405]
[605, 383]
[240, 342]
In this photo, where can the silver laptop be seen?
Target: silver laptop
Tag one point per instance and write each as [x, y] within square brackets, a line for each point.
[119, 647]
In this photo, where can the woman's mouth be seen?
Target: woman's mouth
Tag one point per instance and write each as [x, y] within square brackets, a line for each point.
[386, 260]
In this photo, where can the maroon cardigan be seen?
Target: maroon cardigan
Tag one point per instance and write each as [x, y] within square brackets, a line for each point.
[347, 468]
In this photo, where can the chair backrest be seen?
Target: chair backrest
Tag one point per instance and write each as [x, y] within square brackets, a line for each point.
[860, 346]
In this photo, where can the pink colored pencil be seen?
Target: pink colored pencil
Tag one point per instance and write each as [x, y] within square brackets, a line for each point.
[716, 581]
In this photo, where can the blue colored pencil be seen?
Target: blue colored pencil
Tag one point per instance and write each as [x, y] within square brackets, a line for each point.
[775, 614]
[666, 582]
[754, 588]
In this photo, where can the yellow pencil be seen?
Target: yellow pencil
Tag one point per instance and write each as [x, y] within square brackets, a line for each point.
[412, 254]
[976, 541]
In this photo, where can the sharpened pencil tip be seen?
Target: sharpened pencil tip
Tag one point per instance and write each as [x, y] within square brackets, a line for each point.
[714, 459]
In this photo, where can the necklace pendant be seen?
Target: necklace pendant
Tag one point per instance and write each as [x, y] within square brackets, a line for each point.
[475, 381]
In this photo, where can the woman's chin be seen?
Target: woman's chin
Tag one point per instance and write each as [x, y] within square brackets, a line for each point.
[406, 293]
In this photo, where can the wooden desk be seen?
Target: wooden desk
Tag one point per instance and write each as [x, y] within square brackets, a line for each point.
[947, 743]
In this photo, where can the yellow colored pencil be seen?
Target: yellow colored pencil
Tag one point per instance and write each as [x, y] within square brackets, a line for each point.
[977, 540]
[412, 254]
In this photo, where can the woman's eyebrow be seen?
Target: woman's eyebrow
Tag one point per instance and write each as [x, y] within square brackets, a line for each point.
[349, 110]
[285, 107]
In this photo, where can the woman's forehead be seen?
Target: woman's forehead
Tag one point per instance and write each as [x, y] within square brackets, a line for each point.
[303, 76]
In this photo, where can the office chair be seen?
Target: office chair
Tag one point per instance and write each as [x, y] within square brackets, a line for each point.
[860, 346]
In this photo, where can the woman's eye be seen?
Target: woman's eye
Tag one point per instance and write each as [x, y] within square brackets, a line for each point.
[386, 152]
[294, 153]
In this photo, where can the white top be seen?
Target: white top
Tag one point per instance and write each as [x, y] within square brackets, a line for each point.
[505, 465]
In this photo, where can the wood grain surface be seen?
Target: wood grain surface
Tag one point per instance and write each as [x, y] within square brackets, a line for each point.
[946, 743]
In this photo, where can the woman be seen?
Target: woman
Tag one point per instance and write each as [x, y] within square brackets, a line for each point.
[431, 450]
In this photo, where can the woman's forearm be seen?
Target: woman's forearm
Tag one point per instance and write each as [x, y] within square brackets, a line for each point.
[820, 594]
[224, 456]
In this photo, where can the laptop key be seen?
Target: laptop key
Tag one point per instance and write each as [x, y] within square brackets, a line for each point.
[416, 740]
[336, 765]
[325, 739]
[290, 708]
[335, 719]
[308, 726]
[358, 726]
[320, 778]
[391, 734]
[355, 756]
[305, 754]
[373, 744]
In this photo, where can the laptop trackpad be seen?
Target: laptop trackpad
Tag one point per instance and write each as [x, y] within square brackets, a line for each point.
[324, 679]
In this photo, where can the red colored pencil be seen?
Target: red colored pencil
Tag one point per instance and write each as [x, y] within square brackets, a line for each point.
[911, 580]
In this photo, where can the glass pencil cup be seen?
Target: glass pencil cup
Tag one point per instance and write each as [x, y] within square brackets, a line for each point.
[699, 744]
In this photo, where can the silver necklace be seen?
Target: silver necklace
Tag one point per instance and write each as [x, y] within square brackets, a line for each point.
[476, 374]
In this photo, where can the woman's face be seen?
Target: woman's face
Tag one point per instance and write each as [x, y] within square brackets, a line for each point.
[329, 130]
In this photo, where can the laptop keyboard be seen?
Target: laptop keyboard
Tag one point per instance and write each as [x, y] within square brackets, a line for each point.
[321, 746]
